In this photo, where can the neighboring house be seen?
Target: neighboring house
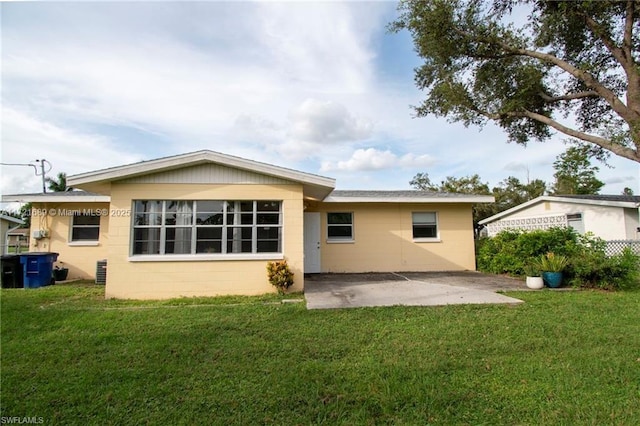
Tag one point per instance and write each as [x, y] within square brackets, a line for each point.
[18, 237]
[7, 224]
[610, 217]
[205, 224]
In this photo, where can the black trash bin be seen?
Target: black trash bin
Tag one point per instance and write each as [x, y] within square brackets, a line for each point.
[11, 271]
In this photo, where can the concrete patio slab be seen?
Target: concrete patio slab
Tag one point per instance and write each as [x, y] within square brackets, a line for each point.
[331, 291]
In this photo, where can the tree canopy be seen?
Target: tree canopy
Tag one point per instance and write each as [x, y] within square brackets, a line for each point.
[59, 184]
[575, 174]
[571, 67]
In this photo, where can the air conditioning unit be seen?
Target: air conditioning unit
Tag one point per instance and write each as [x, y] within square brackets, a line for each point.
[40, 234]
[101, 272]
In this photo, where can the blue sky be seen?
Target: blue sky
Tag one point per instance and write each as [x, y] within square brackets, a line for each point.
[318, 87]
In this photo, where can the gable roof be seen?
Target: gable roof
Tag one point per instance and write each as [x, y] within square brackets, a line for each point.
[315, 186]
[411, 196]
[58, 197]
[624, 201]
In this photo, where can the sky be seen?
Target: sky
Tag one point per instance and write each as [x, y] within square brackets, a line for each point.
[320, 87]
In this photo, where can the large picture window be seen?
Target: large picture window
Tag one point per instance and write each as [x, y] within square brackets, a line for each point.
[425, 225]
[85, 227]
[170, 227]
[340, 226]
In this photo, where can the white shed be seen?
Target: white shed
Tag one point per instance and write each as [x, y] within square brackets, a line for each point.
[610, 217]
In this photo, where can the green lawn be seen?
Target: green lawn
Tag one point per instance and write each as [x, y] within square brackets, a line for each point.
[12, 249]
[70, 357]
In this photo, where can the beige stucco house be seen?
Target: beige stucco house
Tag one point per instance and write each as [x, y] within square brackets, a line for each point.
[205, 224]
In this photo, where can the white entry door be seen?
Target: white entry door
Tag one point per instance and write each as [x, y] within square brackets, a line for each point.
[312, 243]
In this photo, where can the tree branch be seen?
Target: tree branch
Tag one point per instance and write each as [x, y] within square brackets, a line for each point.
[617, 149]
[607, 94]
[569, 97]
[616, 51]
[633, 90]
[622, 54]
[627, 40]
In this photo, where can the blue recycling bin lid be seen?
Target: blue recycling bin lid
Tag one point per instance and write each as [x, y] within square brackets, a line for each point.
[42, 256]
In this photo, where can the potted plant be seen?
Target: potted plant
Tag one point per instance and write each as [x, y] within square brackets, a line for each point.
[534, 279]
[552, 266]
[60, 272]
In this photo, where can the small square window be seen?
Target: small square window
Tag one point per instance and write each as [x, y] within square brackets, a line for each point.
[340, 226]
[85, 227]
[425, 225]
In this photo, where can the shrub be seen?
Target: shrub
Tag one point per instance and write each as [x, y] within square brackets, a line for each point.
[514, 252]
[511, 250]
[279, 275]
[595, 270]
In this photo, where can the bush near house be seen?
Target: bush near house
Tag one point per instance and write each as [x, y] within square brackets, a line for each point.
[510, 251]
[280, 276]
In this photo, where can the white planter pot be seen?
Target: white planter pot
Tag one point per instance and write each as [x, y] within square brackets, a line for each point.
[535, 283]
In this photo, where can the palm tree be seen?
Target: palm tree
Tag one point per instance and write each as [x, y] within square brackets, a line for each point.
[59, 184]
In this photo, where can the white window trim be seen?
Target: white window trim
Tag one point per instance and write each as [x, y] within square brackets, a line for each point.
[83, 243]
[72, 242]
[428, 240]
[203, 257]
[342, 240]
[207, 256]
[435, 239]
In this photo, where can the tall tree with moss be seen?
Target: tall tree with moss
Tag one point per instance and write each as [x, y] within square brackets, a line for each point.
[575, 174]
[570, 58]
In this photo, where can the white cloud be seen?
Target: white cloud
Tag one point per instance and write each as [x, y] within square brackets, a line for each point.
[374, 159]
[187, 78]
[620, 179]
[322, 122]
[322, 47]
[26, 138]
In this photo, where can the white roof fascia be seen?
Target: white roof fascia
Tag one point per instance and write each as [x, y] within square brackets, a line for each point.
[408, 200]
[11, 219]
[603, 203]
[45, 198]
[199, 157]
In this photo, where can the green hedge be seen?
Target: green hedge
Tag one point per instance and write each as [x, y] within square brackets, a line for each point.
[511, 250]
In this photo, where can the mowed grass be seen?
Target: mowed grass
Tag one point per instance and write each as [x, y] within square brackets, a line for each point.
[71, 357]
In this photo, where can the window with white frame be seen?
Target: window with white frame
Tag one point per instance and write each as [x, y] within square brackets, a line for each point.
[340, 226]
[85, 227]
[425, 225]
[168, 227]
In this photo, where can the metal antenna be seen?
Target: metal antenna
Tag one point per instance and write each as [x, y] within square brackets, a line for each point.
[42, 173]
